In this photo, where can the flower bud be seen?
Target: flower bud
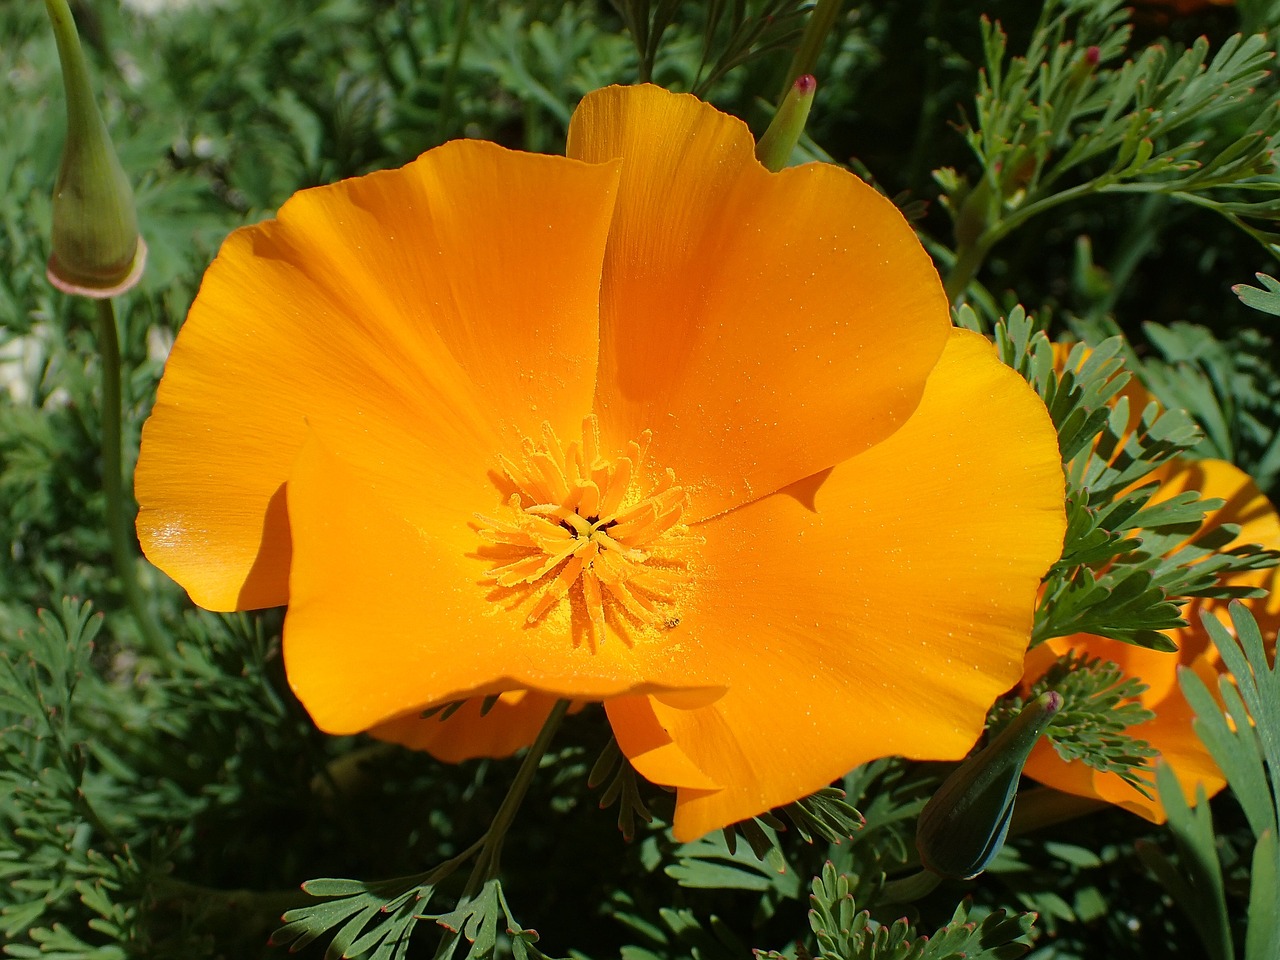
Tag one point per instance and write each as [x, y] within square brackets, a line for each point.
[963, 826]
[977, 212]
[774, 148]
[97, 251]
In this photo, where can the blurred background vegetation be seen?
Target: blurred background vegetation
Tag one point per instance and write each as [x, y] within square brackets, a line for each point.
[171, 808]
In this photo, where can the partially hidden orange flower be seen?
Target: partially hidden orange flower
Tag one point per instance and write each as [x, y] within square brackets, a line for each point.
[1170, 731]
[646, 425]
[1184, 8]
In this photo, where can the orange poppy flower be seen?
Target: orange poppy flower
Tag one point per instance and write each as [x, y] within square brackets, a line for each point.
[647, 425]
[1170, 731]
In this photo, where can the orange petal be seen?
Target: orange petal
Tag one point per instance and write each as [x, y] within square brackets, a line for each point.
[642, 738]
[764, 326]
[879, 609]
[1247, 507]
[424, 316]
[511, 724]
[388, 616]
[1171, 732]
[1156, 668]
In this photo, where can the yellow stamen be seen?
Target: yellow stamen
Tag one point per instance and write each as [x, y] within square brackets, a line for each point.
[581, 529]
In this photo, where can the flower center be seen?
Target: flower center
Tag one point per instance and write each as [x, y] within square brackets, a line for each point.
[585, 534]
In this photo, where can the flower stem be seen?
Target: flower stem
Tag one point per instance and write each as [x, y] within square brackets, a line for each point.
[448, 92]
[486, 865]
[970, 256]
[122, 543]
[821, 20]
[968, 260]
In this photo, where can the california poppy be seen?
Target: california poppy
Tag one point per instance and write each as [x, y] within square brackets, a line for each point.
[647, 425]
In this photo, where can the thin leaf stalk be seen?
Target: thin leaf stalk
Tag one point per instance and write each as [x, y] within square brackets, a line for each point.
[487, 861]
[264, 905]
[969, 257]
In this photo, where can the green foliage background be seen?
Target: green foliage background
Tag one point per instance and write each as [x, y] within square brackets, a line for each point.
[170, 803]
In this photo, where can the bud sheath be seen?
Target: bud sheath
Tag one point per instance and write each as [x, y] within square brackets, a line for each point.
[96, 248]
[963, 826]
[774, 148]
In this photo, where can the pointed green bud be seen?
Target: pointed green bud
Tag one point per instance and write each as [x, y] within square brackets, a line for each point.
[774, 148]
[963, 826]
[96, 248]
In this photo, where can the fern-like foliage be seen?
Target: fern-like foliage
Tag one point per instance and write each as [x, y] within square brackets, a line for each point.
[1099, 704]
[1229, 386]
[50, 807]
[825, 815]
[682, 934]
[1128, 563]
[621, 786]
[376, 920]
[842, 932]
[1265, 298]
[102, 770]
[1243, 736]
[732, 33]
[712, 862]
[1071, 118]
[366, 919]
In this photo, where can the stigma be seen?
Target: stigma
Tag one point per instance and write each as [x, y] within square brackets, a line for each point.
[584, 534]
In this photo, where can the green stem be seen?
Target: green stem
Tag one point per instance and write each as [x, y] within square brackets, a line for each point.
[447, 91]
[405, 11]
[963, 270]
[970, 257]
[486, 865]
[821, 20]
[910, 888]
[266, 905]
[119, 523]
[1139, 238]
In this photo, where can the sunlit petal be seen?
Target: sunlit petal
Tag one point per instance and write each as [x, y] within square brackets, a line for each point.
[446, 307]
[876, 610]
[764, 325]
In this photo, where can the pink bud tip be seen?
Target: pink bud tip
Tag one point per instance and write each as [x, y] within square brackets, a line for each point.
[806, 83]
[1093, 55]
